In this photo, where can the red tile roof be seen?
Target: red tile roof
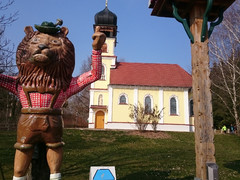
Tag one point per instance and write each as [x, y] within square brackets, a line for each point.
[149, 74]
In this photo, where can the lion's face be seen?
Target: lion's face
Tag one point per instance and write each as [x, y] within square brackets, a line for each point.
[44, 49]
[45, 62]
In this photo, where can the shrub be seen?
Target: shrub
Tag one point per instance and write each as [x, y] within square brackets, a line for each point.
[138, 113]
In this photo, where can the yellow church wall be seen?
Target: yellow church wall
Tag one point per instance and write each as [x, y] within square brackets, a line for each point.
[103, 84]
[121, 111]
[173, 119]
[100, 84]
[105, 97]
[191, 120]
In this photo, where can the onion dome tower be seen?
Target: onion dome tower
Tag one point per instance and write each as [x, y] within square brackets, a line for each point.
[107, 21]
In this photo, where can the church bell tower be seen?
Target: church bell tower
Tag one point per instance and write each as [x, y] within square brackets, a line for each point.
[101, 92]
[107, 21]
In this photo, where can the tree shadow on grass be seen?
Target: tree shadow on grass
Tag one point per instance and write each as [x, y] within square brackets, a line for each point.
[234, 165]
[153, 175]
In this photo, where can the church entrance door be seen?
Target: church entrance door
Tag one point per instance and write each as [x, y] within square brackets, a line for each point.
[99, 120]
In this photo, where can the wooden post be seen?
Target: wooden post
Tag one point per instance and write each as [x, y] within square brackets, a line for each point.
[40, 169]
[204, 133]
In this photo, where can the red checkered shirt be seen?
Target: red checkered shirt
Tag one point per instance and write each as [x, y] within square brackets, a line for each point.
[39, 100]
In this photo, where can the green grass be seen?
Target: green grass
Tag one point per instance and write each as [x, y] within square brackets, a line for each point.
[134, 157]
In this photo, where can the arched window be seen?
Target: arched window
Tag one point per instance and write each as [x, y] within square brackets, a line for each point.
[103, 73]
[191, 108]
[100, 100]
[148, 104]
[173, 106]
[123, 99]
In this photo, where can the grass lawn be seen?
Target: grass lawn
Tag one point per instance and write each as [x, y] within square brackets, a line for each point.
[134, 157]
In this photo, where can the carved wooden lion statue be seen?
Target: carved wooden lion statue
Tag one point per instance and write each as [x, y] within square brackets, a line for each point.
[45, 59]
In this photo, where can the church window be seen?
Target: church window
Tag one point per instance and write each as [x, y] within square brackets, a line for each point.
[103, 73]
[191, 107]
[173, 106]
[123, 99]
[148, 104]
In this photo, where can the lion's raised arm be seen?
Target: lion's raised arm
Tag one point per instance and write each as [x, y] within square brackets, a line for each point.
[96, 71]
[8, 83]
[80, 82]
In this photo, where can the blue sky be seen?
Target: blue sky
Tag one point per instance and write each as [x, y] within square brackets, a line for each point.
[141, 37]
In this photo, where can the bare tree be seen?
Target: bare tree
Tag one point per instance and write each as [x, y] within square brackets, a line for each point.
[225, 56]
[6, 51]
[9, 104]
[138, 113]
[77, 107]
[156, 115]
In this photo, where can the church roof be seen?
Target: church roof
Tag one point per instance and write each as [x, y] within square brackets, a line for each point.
[150, 74]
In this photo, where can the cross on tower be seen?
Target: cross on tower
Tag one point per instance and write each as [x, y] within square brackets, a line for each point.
[106, 3]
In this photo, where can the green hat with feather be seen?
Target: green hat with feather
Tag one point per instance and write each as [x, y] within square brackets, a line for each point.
[49, 27]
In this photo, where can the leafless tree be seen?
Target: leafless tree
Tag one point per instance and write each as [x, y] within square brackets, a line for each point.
[9, 104]
[6, 49]
[77, 106]
[138, 113]
[156, 115]
[224, 51]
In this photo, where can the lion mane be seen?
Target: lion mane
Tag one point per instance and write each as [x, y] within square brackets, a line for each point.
[57, 74]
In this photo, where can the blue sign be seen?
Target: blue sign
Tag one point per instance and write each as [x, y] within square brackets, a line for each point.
[103, 174]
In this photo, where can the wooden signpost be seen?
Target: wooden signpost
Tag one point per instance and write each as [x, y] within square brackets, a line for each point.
[195, 15]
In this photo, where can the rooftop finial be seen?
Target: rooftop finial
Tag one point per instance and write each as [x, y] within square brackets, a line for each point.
[106, 3]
